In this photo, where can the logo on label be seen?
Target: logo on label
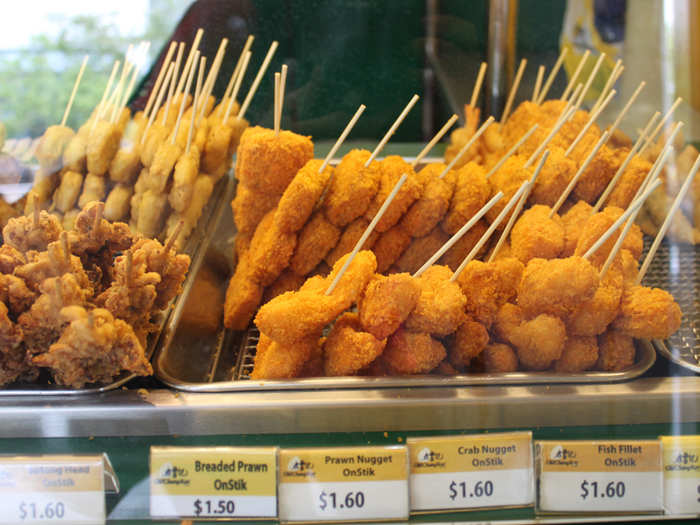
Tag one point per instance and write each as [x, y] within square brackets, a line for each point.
[562, 456]
[169, 474]
[428, 456]
[684, 461]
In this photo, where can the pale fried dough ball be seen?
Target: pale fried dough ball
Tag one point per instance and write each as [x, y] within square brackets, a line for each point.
[151, 214]
[125, 165]
[351, 234]
[154, 137]
[348, 348]
[118, 201]
[75, 154]
[469, 340]
[440, 306]
[539, 342]
[459, 250]
[616, 351]
[387, 302]
[389, 247]
[425, 213]
[216, 148]
[51, 146]
[580, 354]
[412, 352]
[647, 313]
[68, 191]
[316, 239]
[471, 192]
[536, 234]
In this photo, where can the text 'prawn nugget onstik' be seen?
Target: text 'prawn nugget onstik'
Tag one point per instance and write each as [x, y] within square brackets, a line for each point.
[648, 313]
[536, 234]
[440, 306]
[300, 197]
[471, 192]
[387, 302]
[539, 342]
[348, 348]
[412, 352]
[425, 213]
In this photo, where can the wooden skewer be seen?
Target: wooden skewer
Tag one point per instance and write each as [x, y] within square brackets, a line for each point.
[618, 242]
[667, 221]
[392, 129]
[512, 150]
[283, 85]
[280, 81]
[367, 232]
[98, 109]
[197, 94]
[580, 171]
[485, 237]
[574, 77]
[519, 207]
[190, 56]
[430, 145]
[188, 85]
[661, 159]
[632, 207]
[608, 84]
[626, 108]
[477, 86]
[575, 94]
[159, 99]
[624, 165]
[538, 83]
[211, 78]
[591, 120]
[275, 111]
[99, 212]
[342, 137]
[466, 147]
[173, 80]
[237, 85]
[59, 283]
[513, 91]
[552, 75]
[171, 241]
[75, 89]
[234, 75]
[589, 81]
[175, 84]
[258, 78]
[652, 136]
[159, 78]
[460, 233]
[91, 319]
[548, 138]
[134, 76]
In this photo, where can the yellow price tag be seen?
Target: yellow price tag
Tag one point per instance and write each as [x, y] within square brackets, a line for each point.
[681, 458]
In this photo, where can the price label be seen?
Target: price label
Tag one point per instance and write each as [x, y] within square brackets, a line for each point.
[344, 484]
[681, 464]
[214, 482]
[600, 476]
[52, 489]
[487, 470]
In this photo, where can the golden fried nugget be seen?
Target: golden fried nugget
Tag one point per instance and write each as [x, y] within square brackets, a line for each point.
[94, 189]
[216, 148]
[616, 351]
[301, 196]
[497, 358]
[267, 162]
[508, 179]
[580, 354]
[184, 176]
[440, 307]
[51, 146]
[556, 286]
[282, 360]
[425, 213]
[118, 203]
[288, 281]
[243, 297]
[573, 221]
[593, 316]
[535, 234]
[508, 318]
[554, 177]
[469, 340]
[351, 234]
[203, 188]
[102, 145]
[573, 127]
[420, 250]
[125, 166]
[409, 352]
[157, 134]
[249, 207]
[270, 251]
[629, 182]
[151, 214]
[471, 192]
[66, 195]
[539, 342]
[391, 169]
[520, 121]
[162, 166]
[630, 267]
[316, 239]
[389, 247]
[75, 154]
[647, 313]
[387, 302]
[597, 225]
[459, 250]
[348, 349]
[597, 175]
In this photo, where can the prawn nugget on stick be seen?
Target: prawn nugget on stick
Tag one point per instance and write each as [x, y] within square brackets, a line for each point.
[469, 340]
[539, 342]
[285, 360]
[647, 313]
[351, 234]
[497, 358]
[184, 176]
[352, 188]
[103, 144]
[270, 251]
[471, 193]
[616, 351]
[316, 239]
[412, 353]
[302, 194]
[535, 234]
[389, 247]
[51, 145]
[66, 195]
[556, 286]
[420, 250]
[243, 296]
[387, 303]
[440, 307]
[455, 255]
[508, 179]
[348, 348]
[267, 162]
[580, 353]
[425, 213]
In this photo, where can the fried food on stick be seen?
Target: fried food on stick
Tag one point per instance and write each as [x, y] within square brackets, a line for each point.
[216, 149]
[597, 175]
[49, 150]
[616, 351]
[426, 212]
[555, 176]
[497, 358]
[597, 225]
[203, 188]
[539, 342]
[440, 307]
[508, 318]
[471, 192]
[15, 294]
[352, 188]
[94, 234]
[593, 316]
[387, 303]
[573, 221]
[647, 313]
[184, 176]
[420, 250]
[460, 136]
[162, 166]
[118, 202]
[536, 234]
[282, 360]
[249, 207]
[13, 362]
[26, 233]
[508, 179]
[172, 268]
[66, 195]
[151, 212]
[389, 246]
[301, 196]
[469, 340]
[125, 165]
[412, 352]
[351, 234]
[10, 258]
[156, 135]
[243, 296]
[316, 239]
[75, 154]
[455, 255]
[94, 189]
[580, 354]
[626, 188]
[270, 251]
[348, 348]
[103, 144]
[288, 281]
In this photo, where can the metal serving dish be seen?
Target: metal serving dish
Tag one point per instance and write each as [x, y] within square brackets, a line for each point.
[194, 247]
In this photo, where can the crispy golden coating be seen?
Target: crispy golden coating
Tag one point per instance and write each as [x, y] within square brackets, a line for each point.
[571, 129]
[391, 169]
[156, 135]
[94, 189]
[593, 316]
[184, 176]
[75, 154]
[440, 307]
[616, 351]
[420, 250]
[217, 147]
[425, 213]
[162, 166]
[249, 207]
[267, 162]
[118, 202]
[387, 302]
[597, 225]
[580, 353]
[647, 313]
[520, 121]
[556, 286]
[348, 348]
[630, 267]
[15, 294]
[351, 188]
[13, 362]
[573, 221]
[469, 340]
[597, 175]
[471, 192]
[508, 179]
[301, 196]
[460, 136]
[535, 234]
[539, 342]
[92, 236]
[351, 234]
[282, 360]
[459, 250]
[52, 144]
[628, 184]
[409, 352]
[102, 145]
[243, 296]
[22, 234]
[270, 251]
[487, 286]
[125, 165]
[389, 247]
[288, 281]
[316, 239]
[508, 318]
[554, 177]
[66, 195]
[497, 358]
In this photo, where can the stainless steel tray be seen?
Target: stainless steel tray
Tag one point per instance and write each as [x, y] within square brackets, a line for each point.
[194, 247]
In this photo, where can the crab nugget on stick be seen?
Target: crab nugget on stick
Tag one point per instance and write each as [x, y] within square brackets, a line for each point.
[648, 313]
[348, 348]
[592, 317]
[555, 176]
[387, 302]
[468, 342]
[391, 169]
[580, 353]
[573, 221]
[455, 255]
[302, 194]
[597, 225]
[539, 342]
[440, 307]
[536, 234]
[412, 352]
[352, 188]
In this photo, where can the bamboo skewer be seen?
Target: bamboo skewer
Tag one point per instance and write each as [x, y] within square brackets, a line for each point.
[159, 99]
[513, 91]
[190, 56]
[656, 131]
[370, 228]
[552, 75]
[188, 85]
[548, 138]
[275, 111]
[239, 63]
[258, 78]
[589, 81]
[75, 90]
[197, 94]
[98, 109]
[237, 85]
[173, 81]
[159, 78]
[342, 137]
[608, 84]
[280, 101]
[626, 108]
[134, 76]
[430, 145]
[466, 147]
[392, 129]
[477, 86]
[538, 84]
[212, 76]
[661, 159]
[618, 244]
[591, 120]
[512, 150]
[574, 77]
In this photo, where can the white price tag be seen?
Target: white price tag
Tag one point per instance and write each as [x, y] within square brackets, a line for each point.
[600, 476]
[214, 482]
[344, 484]
[681, 474]
[456, 472]
[52, 489]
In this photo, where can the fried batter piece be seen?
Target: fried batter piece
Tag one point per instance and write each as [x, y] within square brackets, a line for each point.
[56, 260]
[301, 196]
[471, 192]
[155, 136]
[539, 342]
[573, 221]
[426, 212]
[94, 189]
[216, 148]
[15, 294]
[593, 316]
[389, 247]
[51, 145]
[172, 268]
[93, 348]
[288, 281]
[282, 360]
[535, 234]
[316, 239]
[24, 233]
[580, 354]
[203, 188]
[352, 188]
[556, 286]
[508, 179]
[554, 177]
[420, 250]
[409, 352]
[597, 225]
[460, 136]
[351, 234]
[597, 175]
[616, 351]
[151, 212]
[13, 361]
[520, 121]
[66, 195]
[270, 251]
[387, 303]
[10, 258]
[497, 358]
[629, 182]
[93, 234]
[243, 296]
[508, 318]
[249, 207]
[440, 307]
[103, 144]
[647, 313]
[469, 340]
[348, 348]
[118, 202]
[75, 154]
[162, 166]
[184, 175]
[459, 250]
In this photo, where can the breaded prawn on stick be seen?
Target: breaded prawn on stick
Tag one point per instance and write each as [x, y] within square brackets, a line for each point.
[282, 360]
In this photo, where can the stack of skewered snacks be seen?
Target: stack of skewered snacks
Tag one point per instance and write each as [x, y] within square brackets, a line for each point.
[70, 304]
